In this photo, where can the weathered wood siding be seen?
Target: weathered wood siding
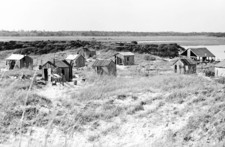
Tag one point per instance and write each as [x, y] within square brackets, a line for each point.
[26, 62]
[124, 60]
[219, 72]
[57, 70]
[107, 70]
[180, 68]
[79, 62]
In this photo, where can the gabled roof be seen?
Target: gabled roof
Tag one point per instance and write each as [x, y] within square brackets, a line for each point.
[220, 64]
[125, 53]
[186, 61]
[202, 52]
[72, 57]
[58, 63]
[101, 63]
[15, 57]
[61, 63]
[84, 49]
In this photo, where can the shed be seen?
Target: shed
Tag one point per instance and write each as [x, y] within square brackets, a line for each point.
[19, 61]
[57, 67]
[199, 54]
[220, 69]
[104, 67]
[76, 60]
[86, 52]
[124, 58]
[184, 66]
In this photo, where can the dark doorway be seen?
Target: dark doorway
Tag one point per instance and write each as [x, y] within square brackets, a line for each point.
[119, 61]
[204, 59]
[12, 64]
[63, 72]
[46, 74]
[175, 68]
[99, 70]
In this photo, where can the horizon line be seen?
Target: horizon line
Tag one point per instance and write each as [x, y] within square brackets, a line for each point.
[2, 30]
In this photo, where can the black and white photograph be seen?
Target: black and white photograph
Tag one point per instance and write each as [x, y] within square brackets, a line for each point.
[112, 73]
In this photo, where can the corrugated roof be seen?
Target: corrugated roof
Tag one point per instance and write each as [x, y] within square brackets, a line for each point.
[220, 64]
[202, 52]
[15, 57]
[101, 63]
[126, 53]
[72, 57]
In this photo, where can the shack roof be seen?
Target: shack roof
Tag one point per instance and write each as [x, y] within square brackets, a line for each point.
[220, 64]
[202, 52]
[72, 57]
[125, 53]
[186, 61]
[61, 63]
[15, 57]
[101, 63]
[58, 63]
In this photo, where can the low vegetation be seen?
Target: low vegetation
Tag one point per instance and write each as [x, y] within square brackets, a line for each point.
[45, 47]
[106, 100]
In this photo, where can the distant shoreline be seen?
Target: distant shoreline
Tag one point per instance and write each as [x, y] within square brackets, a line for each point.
[181, 40]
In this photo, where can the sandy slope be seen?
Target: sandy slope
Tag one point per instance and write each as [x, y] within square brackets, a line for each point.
[146, 127]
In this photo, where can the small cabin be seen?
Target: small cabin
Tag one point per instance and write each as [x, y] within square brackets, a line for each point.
[199, 54]
[86, 52]
[18, 61]
[76, 60]
[124, 58]
[220, 69]
[57, 68]
[104, 67]
[184, 66]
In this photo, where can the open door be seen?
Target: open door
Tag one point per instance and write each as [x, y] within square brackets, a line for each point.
[46, 74]
[175, 68]
[12, 64]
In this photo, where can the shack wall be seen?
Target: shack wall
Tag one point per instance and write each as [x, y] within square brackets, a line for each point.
[219, 72]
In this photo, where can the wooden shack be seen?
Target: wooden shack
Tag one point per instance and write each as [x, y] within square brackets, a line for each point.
[124, 58]
[18, 61]
[76, 60]
[199, 54]
[184, 66]
[104, 67]
[86, 52]
[220, 69]
[57, 68]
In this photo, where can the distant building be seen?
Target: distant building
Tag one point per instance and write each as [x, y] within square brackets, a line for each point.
[104, 67]
[199, 54]
[184, 66]
[86, 52]
[220, 69]
[57, 68]
[124, 58]
[18, 61]
[76, 60]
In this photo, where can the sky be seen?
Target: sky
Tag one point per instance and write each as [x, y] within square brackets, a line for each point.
[113, 15]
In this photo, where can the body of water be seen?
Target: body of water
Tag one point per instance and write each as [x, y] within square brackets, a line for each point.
[217, 50]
